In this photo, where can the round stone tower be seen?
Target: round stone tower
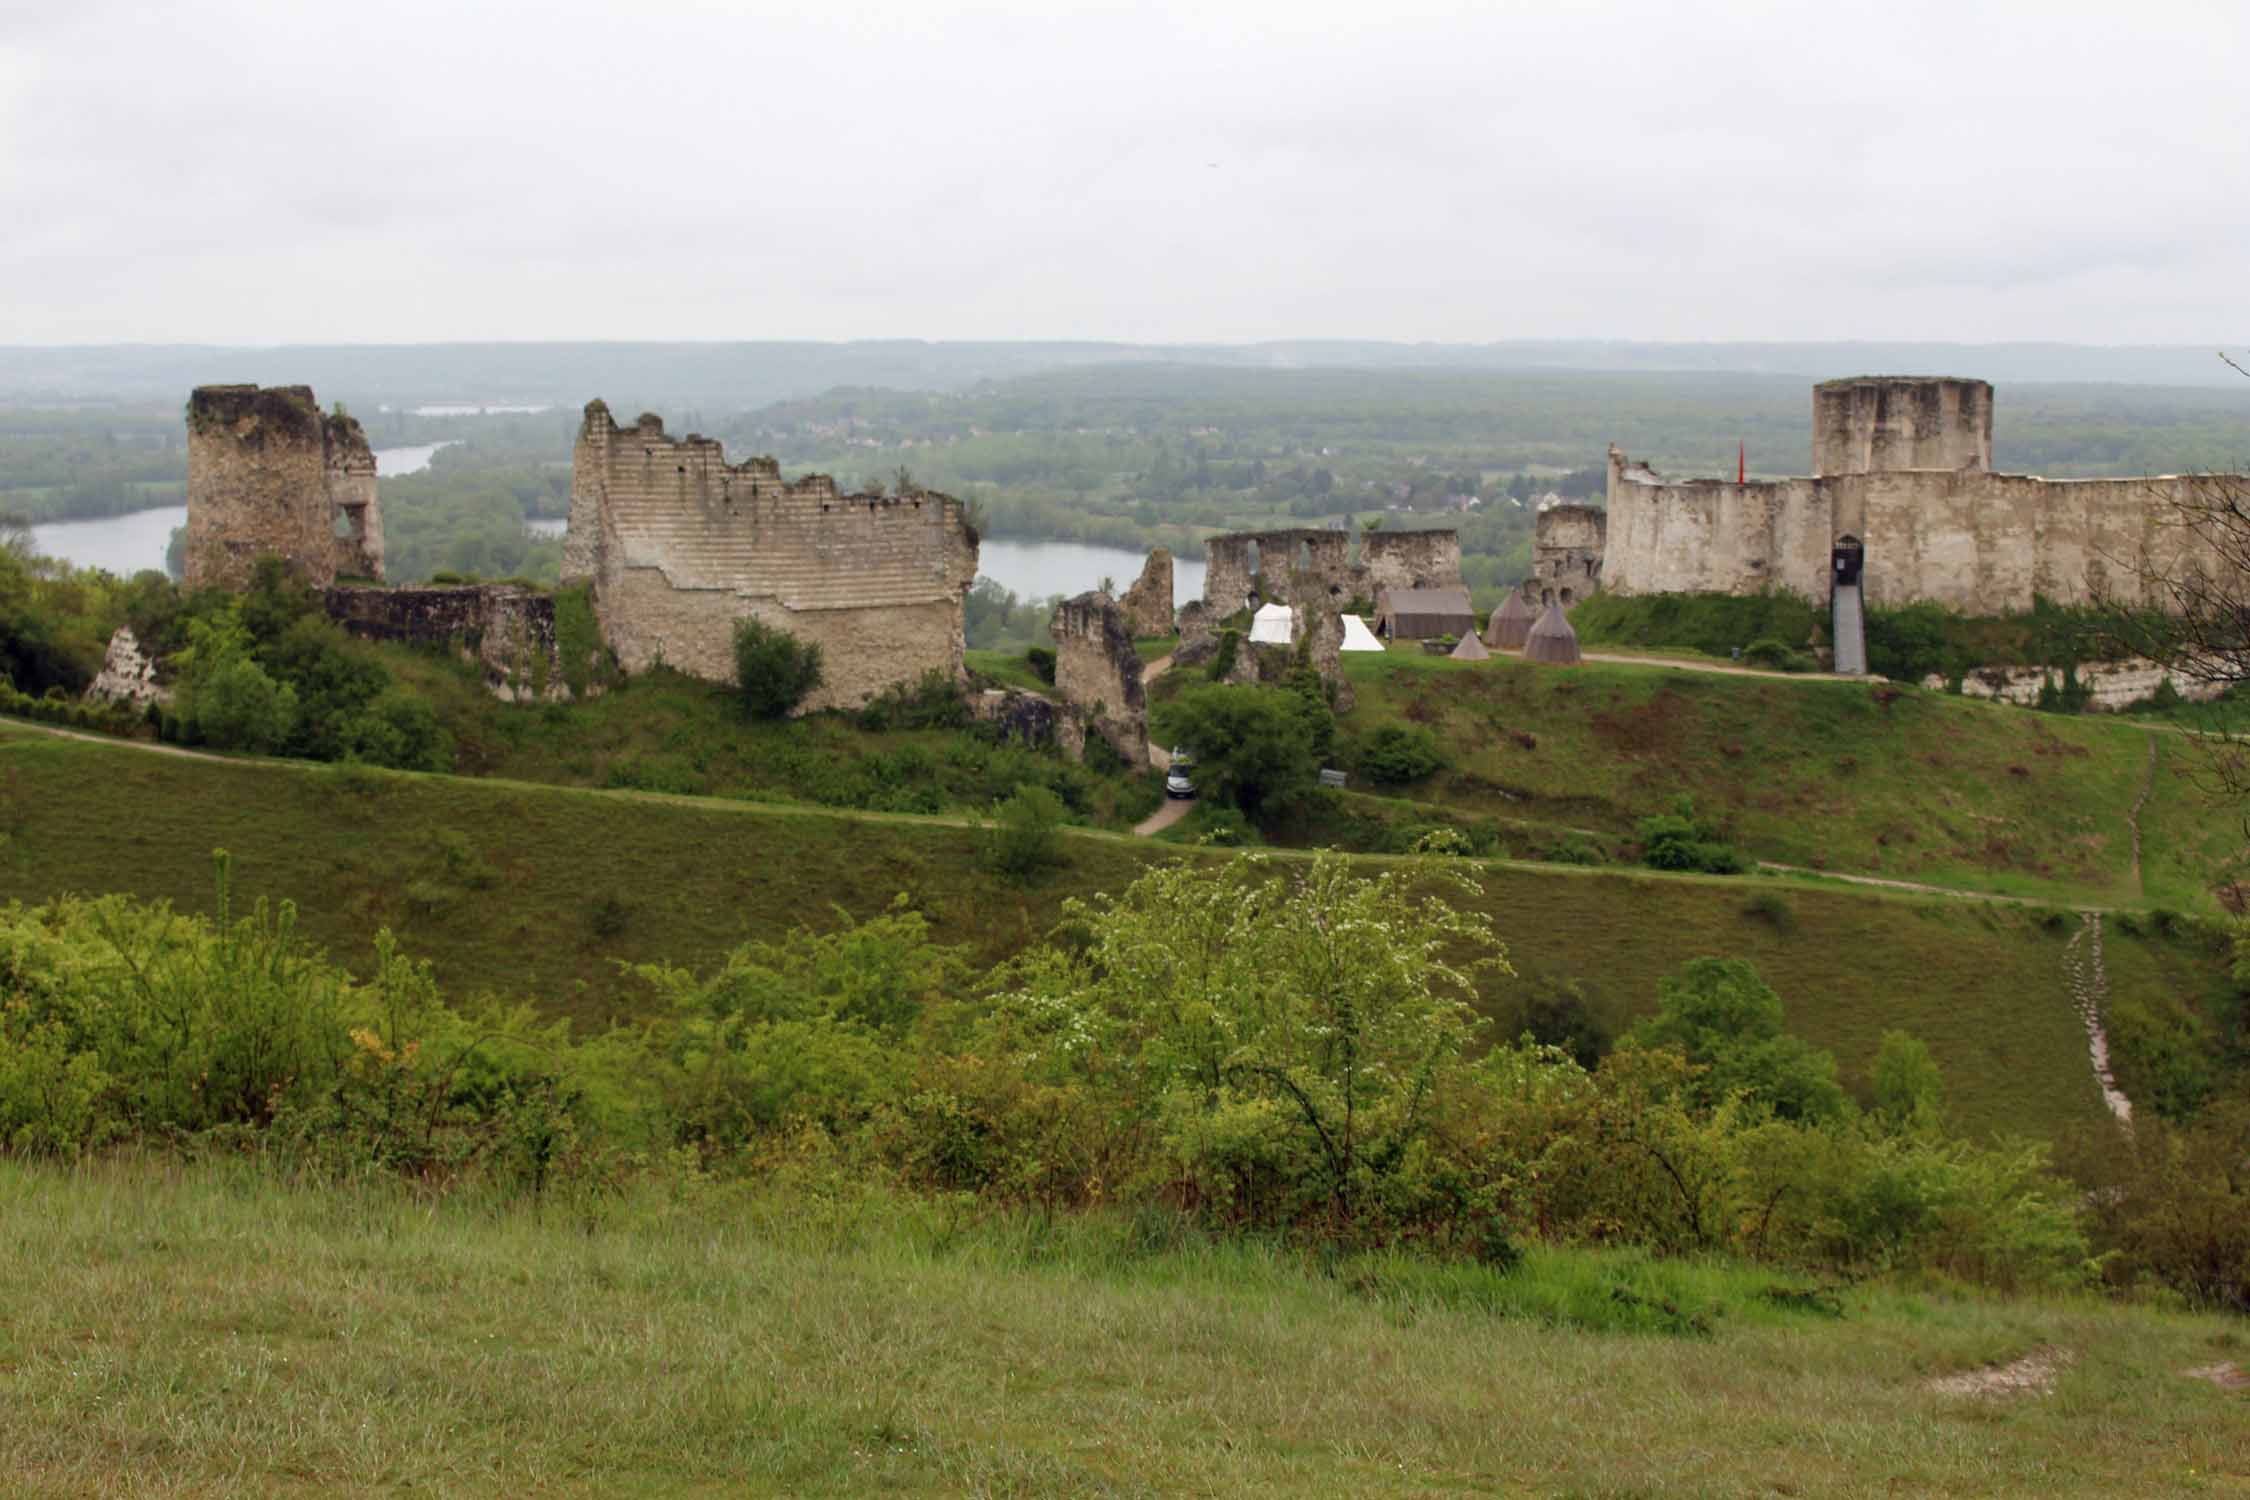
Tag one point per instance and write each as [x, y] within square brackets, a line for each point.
[1873, 424]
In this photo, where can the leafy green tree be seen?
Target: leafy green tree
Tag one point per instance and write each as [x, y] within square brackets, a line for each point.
[1909, 1091]
[1721, 1015]
[1294, 1032]
[1253, 746]
[774, 671]
[239, 707]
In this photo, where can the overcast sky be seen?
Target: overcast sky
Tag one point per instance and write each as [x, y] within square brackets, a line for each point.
[238, 172]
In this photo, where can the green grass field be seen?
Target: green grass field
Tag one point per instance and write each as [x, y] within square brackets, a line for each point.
[178, 1330]
[1851, 777]
[544, 892]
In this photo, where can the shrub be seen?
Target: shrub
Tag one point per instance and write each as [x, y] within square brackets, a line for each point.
[1020, 841]
[1678, 841]
[774, 671]
[1554, 1013]
[1395, 755]
[1772, 909]
[1042, 663]
[1773, 654]
[932, 701]
[238, 707]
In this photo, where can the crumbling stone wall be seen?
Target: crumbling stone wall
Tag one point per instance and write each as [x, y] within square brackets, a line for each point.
[2108, 685]
[1098, 672]
[1148, 603]
[509, 632]
[269, 472]
[678, 545]
[1408, 560]
[1961, 536]
[1315, 571]
[1293, 566]
[1566, 553]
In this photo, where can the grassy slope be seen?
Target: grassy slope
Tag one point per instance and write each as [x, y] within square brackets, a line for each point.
[1924, 787]
[666, 732]
[1982, 984]
[203, 1331]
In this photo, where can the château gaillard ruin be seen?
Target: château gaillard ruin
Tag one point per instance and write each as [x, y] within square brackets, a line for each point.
[672, 544]
[270, 473]
[1903, 481]
[677, 545]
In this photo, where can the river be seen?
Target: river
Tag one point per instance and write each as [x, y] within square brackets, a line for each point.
[135, 541]
[1034, 570]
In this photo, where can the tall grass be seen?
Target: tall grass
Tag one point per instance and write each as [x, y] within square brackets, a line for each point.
[204, 1329]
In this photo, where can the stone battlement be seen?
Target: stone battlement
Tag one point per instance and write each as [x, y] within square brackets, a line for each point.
[679, 544]
[1903, 467]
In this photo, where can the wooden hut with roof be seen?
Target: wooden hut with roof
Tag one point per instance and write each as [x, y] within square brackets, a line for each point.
[1419, 614]
[1551, 640]
[1511, 622]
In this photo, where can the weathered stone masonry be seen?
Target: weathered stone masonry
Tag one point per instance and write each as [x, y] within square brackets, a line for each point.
[678, 545]
[269, 472]
[507, 631]
[1314, 569]
[1098, 673]
[1904, 467]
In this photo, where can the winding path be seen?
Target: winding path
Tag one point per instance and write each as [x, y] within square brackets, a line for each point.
[1174, 808]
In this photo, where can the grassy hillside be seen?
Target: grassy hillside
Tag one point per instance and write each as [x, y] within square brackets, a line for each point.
[362, 1338]
[1860, 778]
[543, 891]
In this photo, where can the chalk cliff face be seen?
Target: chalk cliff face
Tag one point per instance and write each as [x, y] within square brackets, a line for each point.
[678, 545]
[128, 674]
[1903, 466]
[270, 472]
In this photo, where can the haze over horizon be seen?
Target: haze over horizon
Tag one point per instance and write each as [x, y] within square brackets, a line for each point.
[248, 173]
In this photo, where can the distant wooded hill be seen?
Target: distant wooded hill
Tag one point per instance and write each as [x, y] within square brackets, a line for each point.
[751, 374]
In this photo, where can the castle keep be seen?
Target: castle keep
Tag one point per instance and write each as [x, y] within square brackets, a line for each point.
[268, 471]
[1903, 476]
[677, 545]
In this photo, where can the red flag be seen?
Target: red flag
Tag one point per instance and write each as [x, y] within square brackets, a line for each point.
[1741, 461]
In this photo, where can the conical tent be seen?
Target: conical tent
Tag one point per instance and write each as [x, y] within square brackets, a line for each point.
[1511, 622]
[1551, 640]
[1470, 649]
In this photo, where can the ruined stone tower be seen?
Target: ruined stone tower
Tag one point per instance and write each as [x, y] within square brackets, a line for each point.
[269, 472]
[1874, 424]
[677, 545]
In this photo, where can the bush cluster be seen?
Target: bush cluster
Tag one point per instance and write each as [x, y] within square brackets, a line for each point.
[1272, 1050]
[1678, 840]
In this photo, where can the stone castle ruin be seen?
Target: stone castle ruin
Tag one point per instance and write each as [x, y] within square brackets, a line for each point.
[269, 472]
[1315, 570]
[1566, 554]
[1098, 673]
[677, 545]
[1903, 486]
[673, 544]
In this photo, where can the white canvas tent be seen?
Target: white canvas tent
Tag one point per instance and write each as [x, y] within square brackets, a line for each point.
[1357, 637]
[1274, 625]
